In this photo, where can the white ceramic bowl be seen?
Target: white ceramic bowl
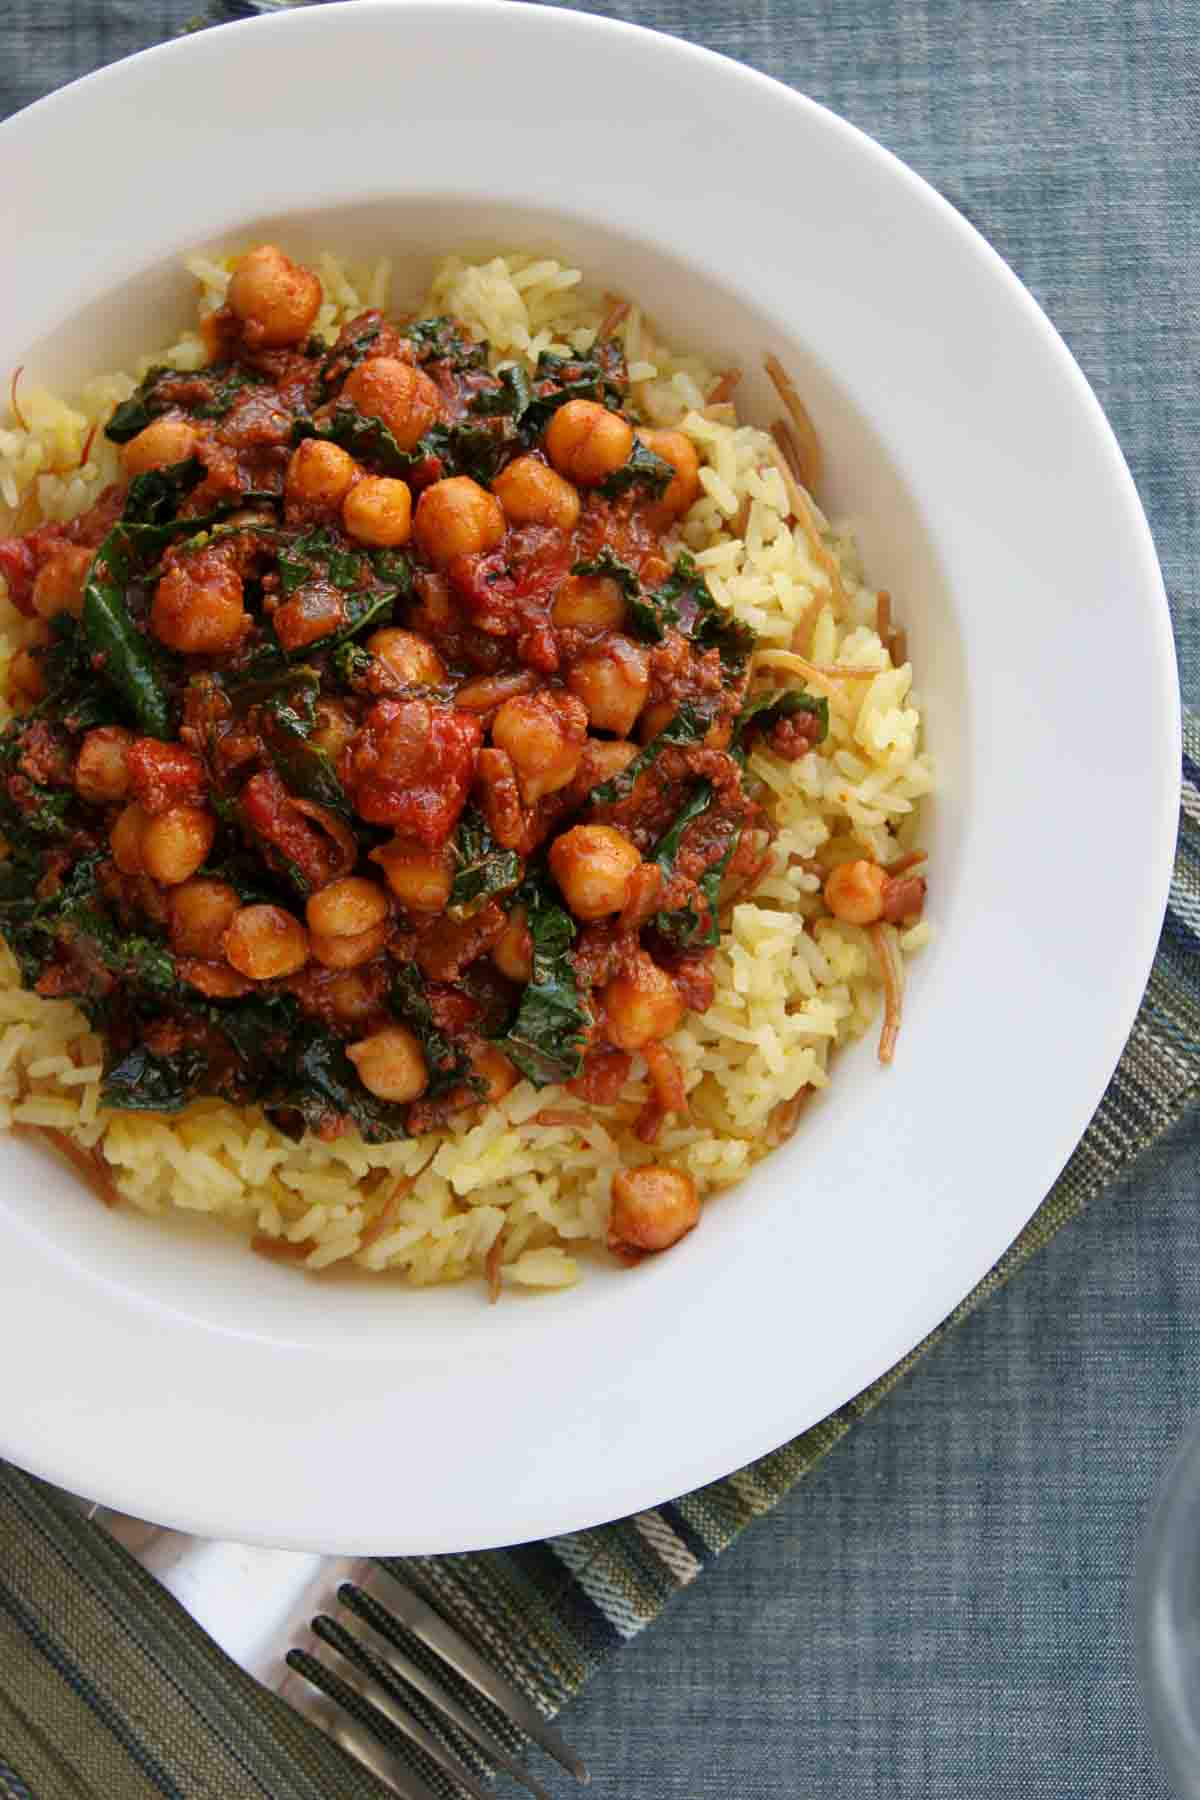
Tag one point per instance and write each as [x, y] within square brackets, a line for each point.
[177, 1377]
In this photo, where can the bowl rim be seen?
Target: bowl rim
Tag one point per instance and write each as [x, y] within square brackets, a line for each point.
[618, 1490]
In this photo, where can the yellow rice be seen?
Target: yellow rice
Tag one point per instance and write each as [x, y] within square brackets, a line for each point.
[786, 996]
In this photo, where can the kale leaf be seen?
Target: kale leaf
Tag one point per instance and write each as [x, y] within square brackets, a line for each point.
[319, 1079]
[762, 711]
[511, 397]
[142, 1082]
[353, 346]
[448, 1063]
[641, 468]
[304, 768]
[442, 340]
[483, 867]
[599, 375]
[547, 1038]
[708, 625]
[648, 614]
[686, 927]
[123, 655]
[224, 382]
[317, 556]
[688, 726]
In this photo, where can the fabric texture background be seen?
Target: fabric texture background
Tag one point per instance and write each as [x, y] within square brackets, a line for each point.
[942, 1607]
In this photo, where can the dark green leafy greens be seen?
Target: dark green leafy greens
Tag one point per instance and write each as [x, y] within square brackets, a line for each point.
[689, 927]
[685, 595]
[448, 1063]
[600, 375]
[512, 396]
[223, 383]
[142, 1082]
[443, 340]
[483, 868]
[642, 468]
[762, 711]
[688, 726]
[318, 1078]
[547, 1038]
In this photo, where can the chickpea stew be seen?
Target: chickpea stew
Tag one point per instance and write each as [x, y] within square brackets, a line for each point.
[379, 744]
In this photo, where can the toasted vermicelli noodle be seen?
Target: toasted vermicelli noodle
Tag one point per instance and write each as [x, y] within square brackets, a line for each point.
[509, 1192]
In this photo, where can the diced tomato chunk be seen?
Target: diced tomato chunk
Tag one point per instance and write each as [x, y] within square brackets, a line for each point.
[411, 766]
[165, 775]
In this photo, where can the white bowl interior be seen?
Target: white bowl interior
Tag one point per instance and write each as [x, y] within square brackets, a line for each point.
[213, 1280]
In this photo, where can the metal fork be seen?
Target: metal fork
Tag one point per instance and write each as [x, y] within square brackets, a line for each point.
[346, 1643]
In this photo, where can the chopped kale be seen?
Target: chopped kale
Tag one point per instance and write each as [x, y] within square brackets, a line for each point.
[699, 617]
[512, 396]
[599, 375]
[442, 340]
[318, 1079]
[304, 768]
[351, 348]
[142, 1082]
[688, 927]
[448, 1063]
[547, 1038]
[317, 556]
[224, 382]
[688, 726]
[648, 614]
[762, 711]
[483, 868]
[641, 468]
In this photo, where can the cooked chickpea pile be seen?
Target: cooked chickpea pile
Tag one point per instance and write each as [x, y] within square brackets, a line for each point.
[361, 748]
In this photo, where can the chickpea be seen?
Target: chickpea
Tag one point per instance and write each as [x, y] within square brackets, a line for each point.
[390, 1064]
[352, 997]
[512, 952]
[641, 1006]
[163, 442]
[59, 584]
[495, 1071]
[378, 511]
[264, 942]
[652, 1208]
[197, 607]
[26, 677]
[176, 842]
[602, 759]
[421, 879]
[125, 839]
[612, 681]
[334, 727]
[201, 911]
[348, 952]
[543, 735]
[590, 603]
[457, 517]
[586, 442]
[101, 772]
[532, 494]
[320, 474]
[411, 659]
[406, 399]
[215, 979]
[680, 452]
[854, 892]
[276, 300]
[347, 907]
[592, 865]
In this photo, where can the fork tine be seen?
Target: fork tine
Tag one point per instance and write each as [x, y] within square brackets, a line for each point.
[403, 1666]
[454, 1649]
[345, 1644]
[356, 1707]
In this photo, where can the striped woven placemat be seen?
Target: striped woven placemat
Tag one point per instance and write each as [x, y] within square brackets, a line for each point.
[108, 1691]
